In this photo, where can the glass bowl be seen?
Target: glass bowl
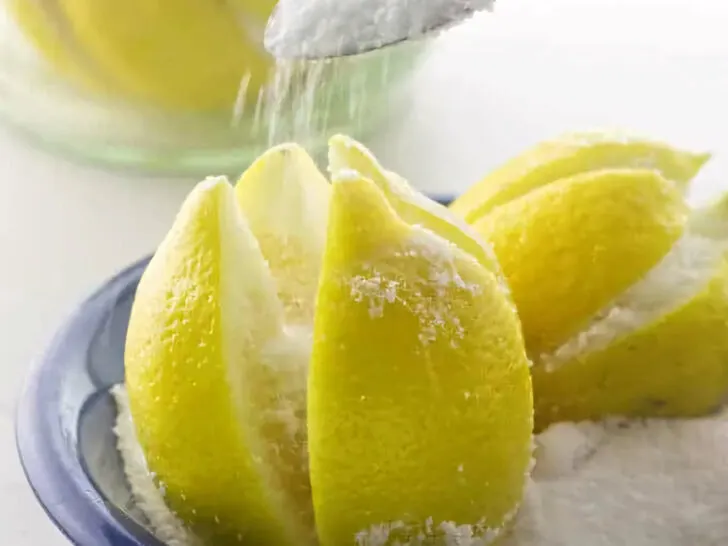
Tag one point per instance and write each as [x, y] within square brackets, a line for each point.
[159, 91]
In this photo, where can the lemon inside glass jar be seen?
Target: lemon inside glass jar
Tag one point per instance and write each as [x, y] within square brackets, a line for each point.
[176, 54]
[182, 86]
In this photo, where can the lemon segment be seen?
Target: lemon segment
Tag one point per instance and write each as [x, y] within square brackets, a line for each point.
[419, 401]
[570, 155]
[285, 199]
[660, 350]
[570, 247]
[215, 381]
[347, 154]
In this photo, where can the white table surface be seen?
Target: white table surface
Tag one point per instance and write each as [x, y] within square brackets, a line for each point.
[536, 68]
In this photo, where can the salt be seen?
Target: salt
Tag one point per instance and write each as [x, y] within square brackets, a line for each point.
[635, 483]
[318, 29]
[617, 483]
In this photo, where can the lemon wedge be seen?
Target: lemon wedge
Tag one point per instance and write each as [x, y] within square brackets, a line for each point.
[619, 285]
[570, 247]
[346, 154]
[285, 199]
[572, 154]
[659, 349]
[177, 54]
[419, 400]
[216, 382]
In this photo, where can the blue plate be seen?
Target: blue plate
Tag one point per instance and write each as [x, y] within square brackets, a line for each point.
[65, 419]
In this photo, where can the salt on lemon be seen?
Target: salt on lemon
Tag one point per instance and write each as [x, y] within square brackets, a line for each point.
[619, 285]
[660, 348]
[419, 397]
[216, 374]
[285, 199]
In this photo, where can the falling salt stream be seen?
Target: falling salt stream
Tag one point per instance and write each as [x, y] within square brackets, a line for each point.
[300, 97]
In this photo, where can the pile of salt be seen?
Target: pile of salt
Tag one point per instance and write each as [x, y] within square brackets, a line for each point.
[617, 483]
[628, 483]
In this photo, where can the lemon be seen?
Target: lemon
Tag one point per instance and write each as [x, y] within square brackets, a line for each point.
[285, 199]
[43, 23]
[179, 54]
[570, 247]
[419, 400]
[216, 382]
[660, 349]
[346, 153]
[572, 154]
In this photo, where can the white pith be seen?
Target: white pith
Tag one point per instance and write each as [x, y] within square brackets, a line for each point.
[674, 281]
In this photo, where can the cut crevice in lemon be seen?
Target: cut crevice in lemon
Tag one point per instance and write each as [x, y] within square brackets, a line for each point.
[216, 381]
[349, 159]
[285, 198]
[660, 349]
[570, 247]
[680, 276]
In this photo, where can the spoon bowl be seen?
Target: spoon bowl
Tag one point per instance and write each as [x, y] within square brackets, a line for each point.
[331, 29]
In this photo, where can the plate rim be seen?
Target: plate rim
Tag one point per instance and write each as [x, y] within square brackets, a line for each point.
[52, 466]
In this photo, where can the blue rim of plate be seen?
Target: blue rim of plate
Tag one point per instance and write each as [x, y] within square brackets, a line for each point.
[49, 453]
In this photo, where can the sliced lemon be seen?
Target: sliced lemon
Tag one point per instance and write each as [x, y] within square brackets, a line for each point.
[179, 54]
[660, 349]
[346, 154]
[573, 154]
[419, 411]
[570, 247]
[216, 383]
[285, 199]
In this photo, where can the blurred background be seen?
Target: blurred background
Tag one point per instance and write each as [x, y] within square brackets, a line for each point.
[104, 132]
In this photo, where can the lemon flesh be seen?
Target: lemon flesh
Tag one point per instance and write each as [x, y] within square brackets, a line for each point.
[178, 54]
[419, 401]
[570, 247]
[573, 154]
[659, 350]
[285, 199]
[216, 383]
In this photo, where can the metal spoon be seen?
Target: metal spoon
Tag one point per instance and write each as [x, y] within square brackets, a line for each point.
[325, 29]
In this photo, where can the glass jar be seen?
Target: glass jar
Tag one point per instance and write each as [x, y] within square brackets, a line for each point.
[178, 86]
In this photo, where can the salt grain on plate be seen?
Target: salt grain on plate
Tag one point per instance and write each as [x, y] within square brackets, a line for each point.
[617, 483]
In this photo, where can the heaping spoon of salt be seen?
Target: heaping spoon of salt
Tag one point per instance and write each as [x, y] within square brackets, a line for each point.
[321, 29]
